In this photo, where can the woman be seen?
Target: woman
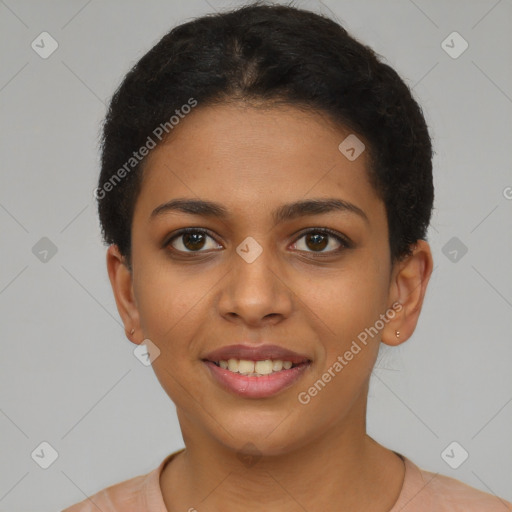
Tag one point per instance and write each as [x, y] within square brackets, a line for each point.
[266, 189]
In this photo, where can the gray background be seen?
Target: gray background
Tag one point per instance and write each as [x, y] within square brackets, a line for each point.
[68, 375]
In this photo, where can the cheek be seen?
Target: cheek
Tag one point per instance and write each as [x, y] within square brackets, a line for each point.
[343, 309]
[169, 303]
[349, 300]
[172, 306]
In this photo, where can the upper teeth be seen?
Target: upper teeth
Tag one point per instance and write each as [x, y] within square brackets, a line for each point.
[256, 368]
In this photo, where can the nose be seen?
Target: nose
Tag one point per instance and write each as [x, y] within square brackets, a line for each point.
[256, 293]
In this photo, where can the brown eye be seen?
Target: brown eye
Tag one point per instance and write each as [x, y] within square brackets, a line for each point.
[316, 240]
[191, 240]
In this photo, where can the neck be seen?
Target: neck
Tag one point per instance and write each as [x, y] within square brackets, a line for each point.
[341, 469]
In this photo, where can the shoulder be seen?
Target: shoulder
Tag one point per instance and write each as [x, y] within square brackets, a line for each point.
[123, 496]
[426, 490]
[138, 494]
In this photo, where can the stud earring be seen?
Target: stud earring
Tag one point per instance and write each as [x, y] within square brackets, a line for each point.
[132, 331]
[397, 333]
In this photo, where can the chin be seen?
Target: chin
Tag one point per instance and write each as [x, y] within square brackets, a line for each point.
[253, 435]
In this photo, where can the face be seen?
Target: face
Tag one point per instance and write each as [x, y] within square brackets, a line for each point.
[309, 280]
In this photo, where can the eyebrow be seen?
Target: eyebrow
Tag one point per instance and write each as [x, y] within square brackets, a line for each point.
[283, 213]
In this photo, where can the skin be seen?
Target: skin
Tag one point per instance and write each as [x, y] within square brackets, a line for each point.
[252, 160]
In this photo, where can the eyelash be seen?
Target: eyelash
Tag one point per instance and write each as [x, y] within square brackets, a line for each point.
[344, 242]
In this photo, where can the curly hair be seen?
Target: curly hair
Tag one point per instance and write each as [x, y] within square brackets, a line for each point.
[270, 54]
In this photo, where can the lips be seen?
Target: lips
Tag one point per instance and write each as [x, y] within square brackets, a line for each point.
[255, 353]
[262, 387]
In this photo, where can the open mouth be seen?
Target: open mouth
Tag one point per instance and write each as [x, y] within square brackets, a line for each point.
[260, 378]
[259, 368]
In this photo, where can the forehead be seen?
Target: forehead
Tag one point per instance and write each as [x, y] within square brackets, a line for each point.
[247, 157]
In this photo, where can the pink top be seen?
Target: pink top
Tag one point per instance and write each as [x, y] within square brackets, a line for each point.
[422, 491]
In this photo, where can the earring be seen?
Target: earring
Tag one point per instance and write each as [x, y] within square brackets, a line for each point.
[132, 331]
[397, 333]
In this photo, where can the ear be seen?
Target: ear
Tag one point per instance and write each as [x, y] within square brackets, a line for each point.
[406, 293]
[121, 281]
